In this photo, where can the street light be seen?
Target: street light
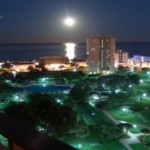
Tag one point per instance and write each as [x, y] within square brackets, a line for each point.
[141, 81]
[134, 126]
[144, 94]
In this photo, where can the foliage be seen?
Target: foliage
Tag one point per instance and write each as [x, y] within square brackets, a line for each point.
[42, 111]
[133, 79]
[78, 94]
[81, 128]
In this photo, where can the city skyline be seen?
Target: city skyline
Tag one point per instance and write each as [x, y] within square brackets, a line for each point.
[42, 22]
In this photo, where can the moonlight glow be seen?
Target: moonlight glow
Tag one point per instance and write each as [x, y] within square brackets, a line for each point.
[69, 22]
[70, 50]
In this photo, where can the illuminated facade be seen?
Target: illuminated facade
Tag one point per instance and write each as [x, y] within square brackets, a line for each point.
[101, 53]
[23, 66]
[54, 62]
[79, 62]
[140, 61]
[121, 58]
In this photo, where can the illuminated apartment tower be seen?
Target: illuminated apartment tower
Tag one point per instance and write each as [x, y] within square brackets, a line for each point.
[101, 52]
[121, 58]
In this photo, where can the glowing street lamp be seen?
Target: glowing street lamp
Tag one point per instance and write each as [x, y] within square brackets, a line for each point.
[130, 86]
[125, 109]
[134, 126]
[117, 91]
[141, 81]
[79, 145]
[144, 94]
[14, 73]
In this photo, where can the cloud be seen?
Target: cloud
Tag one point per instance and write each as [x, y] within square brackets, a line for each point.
[1, 17]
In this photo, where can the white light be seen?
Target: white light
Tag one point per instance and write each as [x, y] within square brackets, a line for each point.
[93, 114]
[58, 100]
[16, 97]
[44, 85]
[141, 81]
[70, 50]
[134, 126]
[103, 85]
[43, 79]
[69, 22]
[95, 97]
[124, 109]
[14, 73]
[117, 91]
[132, 69]
[144, 94]
[130, 85]
[91, 103]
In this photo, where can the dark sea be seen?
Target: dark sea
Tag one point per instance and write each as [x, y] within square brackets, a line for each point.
[25, 52]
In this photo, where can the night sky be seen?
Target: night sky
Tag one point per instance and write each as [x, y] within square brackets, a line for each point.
[41, 21]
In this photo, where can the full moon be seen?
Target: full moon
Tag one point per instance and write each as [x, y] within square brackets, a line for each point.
[69, 22]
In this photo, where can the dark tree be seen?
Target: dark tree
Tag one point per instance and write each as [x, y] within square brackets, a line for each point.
[133, 78]
[78, 94]
[42, 111]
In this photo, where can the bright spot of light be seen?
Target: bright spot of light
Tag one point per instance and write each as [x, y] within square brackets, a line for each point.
[44, 85]
[70, 50]
[69, 22]
[79, 145]
[134, 126]
[96, 97]
[117, 91]
[124, 109]
[144, 95]
[130, 85]
[141, 81]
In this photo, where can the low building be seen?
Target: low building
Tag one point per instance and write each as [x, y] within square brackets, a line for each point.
[23, 66]
[79, 62]
[54, 62]
[140, 61]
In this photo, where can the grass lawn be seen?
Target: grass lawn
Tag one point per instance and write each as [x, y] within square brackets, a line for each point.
[147, 138]
[130, 116]
[136, 130]
[85, 144]
[93, 141]
[139, 147]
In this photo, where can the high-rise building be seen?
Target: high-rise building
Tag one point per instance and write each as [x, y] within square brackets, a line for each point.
[101, 53]
[121, 57]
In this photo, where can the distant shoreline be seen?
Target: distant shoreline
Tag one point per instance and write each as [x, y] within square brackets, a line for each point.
[60, 43]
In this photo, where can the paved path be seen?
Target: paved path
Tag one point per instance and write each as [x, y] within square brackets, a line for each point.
[126, 142]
